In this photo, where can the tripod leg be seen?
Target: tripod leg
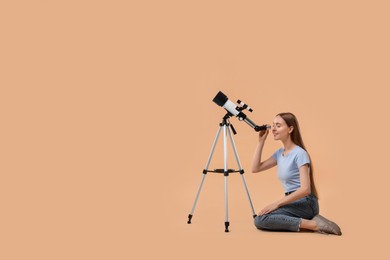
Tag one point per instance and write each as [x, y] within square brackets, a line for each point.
[226, 174]
[204, 175]
[196, 199]
[241, 173]
[213, 147]
[226, 205]
[249, 197]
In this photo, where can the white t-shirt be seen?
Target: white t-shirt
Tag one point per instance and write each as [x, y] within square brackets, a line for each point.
[288, 167]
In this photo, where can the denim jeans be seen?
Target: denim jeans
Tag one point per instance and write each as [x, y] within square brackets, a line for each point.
[288, 217]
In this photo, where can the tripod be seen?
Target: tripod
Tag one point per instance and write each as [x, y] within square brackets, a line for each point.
[225, 126]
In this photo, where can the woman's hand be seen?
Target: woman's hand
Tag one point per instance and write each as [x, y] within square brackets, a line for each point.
[263, 135]
[268, 209]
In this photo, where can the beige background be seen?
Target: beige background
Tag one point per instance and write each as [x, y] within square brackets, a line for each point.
[107, 123]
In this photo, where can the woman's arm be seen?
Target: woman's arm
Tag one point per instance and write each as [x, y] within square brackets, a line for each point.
[303, 191]
[257, 164]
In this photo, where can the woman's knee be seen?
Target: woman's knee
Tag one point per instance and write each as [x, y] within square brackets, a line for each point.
[260, 221]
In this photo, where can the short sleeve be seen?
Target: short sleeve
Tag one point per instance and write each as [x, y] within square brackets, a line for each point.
[302, 158]
[276, 154]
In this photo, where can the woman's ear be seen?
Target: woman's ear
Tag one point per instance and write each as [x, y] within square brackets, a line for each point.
[291, 129]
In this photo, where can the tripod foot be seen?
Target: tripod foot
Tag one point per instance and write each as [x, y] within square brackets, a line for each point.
[227, 226]
[189, 219]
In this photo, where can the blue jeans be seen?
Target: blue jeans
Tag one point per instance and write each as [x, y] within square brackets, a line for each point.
[288, 217]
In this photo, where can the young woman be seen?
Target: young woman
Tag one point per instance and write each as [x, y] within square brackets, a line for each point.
[298, 209]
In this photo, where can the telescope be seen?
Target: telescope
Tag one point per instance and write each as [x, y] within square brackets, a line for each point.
[236, 110]
[232, 110]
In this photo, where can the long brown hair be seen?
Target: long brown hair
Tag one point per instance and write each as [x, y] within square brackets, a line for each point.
[296, 137]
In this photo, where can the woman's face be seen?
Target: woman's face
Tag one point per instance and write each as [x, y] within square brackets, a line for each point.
[280, 130]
